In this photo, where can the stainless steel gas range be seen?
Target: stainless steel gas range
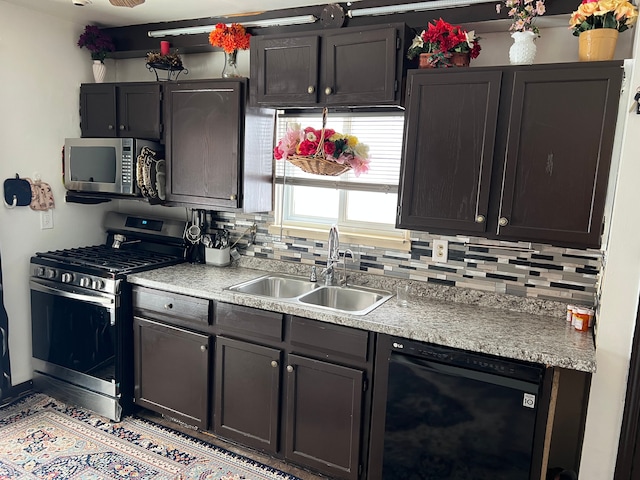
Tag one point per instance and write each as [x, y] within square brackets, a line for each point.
[81, 311]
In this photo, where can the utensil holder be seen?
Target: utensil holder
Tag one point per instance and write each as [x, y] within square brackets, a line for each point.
[217, 256]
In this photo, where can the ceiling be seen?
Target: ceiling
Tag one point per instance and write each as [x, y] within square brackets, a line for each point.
[103, 14]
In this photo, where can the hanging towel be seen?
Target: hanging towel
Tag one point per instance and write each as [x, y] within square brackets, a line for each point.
[41, 195]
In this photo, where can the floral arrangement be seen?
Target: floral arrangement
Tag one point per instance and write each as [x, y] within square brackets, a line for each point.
[523, 13]
[96, 41]
[443, 39]
[618, 14]
[336, 147]
[172, 60]
[230, 37]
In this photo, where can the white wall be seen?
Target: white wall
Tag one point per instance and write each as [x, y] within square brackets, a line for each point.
[39, 87]
[619, 304]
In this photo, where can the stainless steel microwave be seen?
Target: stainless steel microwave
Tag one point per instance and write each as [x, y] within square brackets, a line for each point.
[106, 165]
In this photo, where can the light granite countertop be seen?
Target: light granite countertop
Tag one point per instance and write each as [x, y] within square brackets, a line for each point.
[455, 319]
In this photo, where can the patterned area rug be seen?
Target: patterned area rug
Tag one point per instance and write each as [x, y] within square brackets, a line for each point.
[43, 438]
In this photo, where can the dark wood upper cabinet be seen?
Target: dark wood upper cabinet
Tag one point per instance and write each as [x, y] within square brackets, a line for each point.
[514, 153]
[337, 67]
[121, 110]
[558, 154]
[218, 151]
[450, 132]
[284, 71]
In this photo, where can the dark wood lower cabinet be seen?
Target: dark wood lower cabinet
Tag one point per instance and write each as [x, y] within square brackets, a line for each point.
[171, 371]
[297, 392]
[247, 393]
[324, 416]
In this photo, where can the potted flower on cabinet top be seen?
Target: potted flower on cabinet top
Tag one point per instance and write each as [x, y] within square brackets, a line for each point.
[523, 30]
[231, 39]
[98, 43]
[444, 45]
[597, 24]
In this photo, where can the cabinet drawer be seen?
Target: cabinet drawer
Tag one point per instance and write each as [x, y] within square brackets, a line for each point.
[258, 323]
[329, 340]
[172, 307]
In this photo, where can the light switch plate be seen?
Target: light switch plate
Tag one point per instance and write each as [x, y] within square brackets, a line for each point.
[440, 251]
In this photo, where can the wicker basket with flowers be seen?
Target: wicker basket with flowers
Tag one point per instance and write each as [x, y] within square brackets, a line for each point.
[324, 151]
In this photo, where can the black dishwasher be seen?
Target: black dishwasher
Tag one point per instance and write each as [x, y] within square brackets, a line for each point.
[455, 415]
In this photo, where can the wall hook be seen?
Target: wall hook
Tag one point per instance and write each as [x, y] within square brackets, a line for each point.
[13, 204]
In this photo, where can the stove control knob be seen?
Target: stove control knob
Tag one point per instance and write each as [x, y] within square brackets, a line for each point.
[98, 284]
[40, 272]
[50, 273]
[67, 277]
[85, 282]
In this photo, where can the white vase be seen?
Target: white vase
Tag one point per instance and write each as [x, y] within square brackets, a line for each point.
[99, 71]
[523, 50]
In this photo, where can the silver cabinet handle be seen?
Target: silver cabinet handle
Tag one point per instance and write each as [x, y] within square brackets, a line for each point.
[328, 91]
[274, 364]
[480, 219]
[233, 197]
[110, 127]
[168, 306]
[503, 221]
[289, 368]
[121, 127]
[203, 348]
[311, 89]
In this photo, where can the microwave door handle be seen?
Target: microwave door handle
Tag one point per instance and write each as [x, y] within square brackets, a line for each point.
[107, 302]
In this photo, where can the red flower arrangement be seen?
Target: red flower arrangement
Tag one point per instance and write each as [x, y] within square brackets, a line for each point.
[96, 41]
[442, 40]
[230, 37]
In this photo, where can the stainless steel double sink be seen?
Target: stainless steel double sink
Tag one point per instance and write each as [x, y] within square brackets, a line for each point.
[355, 300]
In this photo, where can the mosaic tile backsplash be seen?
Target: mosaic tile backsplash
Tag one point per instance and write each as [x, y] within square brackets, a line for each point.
[516, 268]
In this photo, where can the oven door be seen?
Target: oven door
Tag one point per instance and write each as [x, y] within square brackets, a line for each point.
[75, 335]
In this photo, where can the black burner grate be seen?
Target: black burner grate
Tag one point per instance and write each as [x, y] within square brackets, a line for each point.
[105, 258]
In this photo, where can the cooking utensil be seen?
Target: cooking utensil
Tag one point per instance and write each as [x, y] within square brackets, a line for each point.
[193, 233]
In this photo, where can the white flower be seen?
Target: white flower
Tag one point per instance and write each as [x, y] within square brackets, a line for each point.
[418, 42]
[361, 150]
[470, 37]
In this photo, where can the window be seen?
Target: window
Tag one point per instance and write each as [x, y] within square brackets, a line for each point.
[363, 207]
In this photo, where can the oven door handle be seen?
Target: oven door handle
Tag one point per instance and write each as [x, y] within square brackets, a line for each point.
[60, 291]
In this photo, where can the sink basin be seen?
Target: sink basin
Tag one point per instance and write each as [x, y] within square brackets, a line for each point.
[299, 290]
[354, 300]
[276, 286]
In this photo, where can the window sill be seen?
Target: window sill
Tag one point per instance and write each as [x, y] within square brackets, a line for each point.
[400, 242]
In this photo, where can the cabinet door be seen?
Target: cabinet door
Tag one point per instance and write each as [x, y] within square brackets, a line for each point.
[560, 140]
[203, 143]
[285, 70]
[98, 110]
[324, 416]
[360, 68]
[171, 371]
[449, 142]
[139, 111]
[247, 393]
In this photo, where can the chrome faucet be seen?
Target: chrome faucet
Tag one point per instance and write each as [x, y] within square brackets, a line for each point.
[333, 255]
